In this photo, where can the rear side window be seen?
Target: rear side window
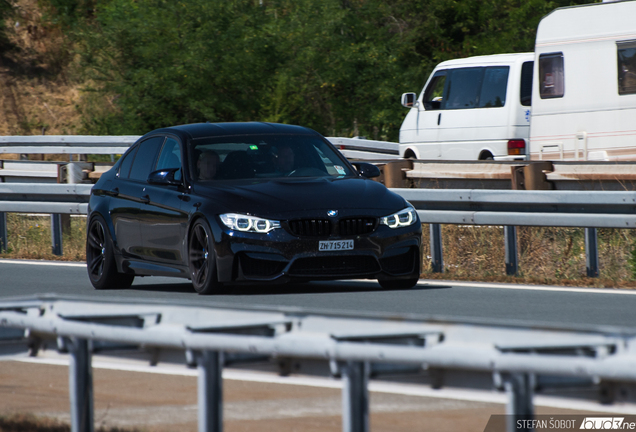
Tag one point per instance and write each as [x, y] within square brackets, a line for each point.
[463, 88]
[494, 86]
[526, 83]
[145, 158]
[126, 163]
[626, 67]
[551, 81]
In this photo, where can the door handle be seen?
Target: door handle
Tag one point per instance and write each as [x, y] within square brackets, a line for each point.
[439, 118]
[145, 199]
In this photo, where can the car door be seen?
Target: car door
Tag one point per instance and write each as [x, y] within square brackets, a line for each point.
[164, 221]
[128, 191]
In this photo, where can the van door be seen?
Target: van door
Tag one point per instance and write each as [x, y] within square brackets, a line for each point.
[428, 119]
[474, 121]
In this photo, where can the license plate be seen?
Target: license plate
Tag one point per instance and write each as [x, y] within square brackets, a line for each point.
[335, 245]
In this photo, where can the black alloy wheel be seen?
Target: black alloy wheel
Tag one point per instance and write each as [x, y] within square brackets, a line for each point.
[100, 259]
[202, 260]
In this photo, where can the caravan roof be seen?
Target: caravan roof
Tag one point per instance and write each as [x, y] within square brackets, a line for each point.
[586, 23]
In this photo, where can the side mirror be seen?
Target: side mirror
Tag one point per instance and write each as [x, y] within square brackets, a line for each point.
[164, 176]
[367, 170]
[409, 100]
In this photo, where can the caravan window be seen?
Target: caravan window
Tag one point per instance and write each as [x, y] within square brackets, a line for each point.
[551, 83]
[626, 67]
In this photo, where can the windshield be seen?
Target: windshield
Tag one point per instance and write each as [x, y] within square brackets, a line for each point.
[264, 156]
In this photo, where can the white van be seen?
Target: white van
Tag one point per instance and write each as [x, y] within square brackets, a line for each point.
[584, 97]
[475, 108]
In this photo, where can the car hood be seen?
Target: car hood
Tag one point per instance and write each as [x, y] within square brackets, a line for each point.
[279, 197]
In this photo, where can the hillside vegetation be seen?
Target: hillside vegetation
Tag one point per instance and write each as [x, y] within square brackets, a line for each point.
[338, 66]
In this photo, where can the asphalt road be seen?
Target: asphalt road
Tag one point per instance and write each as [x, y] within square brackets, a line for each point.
[539, 306]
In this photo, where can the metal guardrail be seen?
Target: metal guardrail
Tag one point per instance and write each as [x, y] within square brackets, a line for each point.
[589, 210]
[514, 357]
[66, 144]
[96, 144]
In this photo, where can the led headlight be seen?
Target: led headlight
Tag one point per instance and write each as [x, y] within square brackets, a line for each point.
[403, 218]
[245, 223]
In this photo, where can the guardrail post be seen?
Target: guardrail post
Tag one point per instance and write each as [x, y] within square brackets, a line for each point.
[591, 252]
[519, 389]
[510, 241]
[355, 396]
[4, 239]
[210, 391]
[437, 258]
[80, 385]
[56, 234]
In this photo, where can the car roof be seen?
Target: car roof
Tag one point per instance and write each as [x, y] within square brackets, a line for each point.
[203, 130]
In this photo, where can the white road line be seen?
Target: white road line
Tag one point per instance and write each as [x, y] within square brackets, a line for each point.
[494, 285]
[44, 263]
[379, 387]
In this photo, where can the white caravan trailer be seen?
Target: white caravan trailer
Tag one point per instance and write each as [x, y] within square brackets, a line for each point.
[584, 95]
[475, 108]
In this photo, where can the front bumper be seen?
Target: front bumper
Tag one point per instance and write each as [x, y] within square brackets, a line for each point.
[280, 256]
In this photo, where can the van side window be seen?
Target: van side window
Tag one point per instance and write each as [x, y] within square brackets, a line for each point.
[626, 67]
[435, 91]
[463, 88]
[551, 83]
[526, 83]
[493, 89]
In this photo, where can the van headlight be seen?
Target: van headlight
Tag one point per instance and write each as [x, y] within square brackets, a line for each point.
[246, 223]
[403, 218]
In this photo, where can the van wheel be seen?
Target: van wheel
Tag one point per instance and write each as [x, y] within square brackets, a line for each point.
[409, 155]
[486, 156]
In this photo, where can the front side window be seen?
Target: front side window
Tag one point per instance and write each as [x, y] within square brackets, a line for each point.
[551, 80]
[170, 157]
[264, 156]
[463, 88]
[434, 93]
[525, 95]
[494, 86]
[626, 67]
[145, 158]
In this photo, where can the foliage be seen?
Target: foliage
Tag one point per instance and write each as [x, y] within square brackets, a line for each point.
[337, 66]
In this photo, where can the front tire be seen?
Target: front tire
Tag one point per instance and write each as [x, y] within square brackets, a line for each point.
[100, 258]
[202, 259]
[398, 284]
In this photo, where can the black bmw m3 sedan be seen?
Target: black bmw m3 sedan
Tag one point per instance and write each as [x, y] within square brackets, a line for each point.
[234, 203]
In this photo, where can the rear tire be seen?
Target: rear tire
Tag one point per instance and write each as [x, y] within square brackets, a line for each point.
[398, 284]
[100, 258]
[202, 259]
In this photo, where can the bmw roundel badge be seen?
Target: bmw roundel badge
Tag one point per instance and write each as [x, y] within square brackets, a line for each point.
[332, 213]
